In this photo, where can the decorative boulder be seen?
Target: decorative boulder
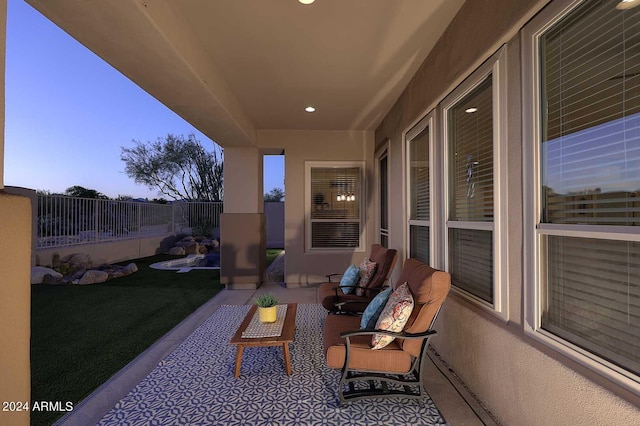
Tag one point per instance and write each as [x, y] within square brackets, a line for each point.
[78, 260]
[38, 273]
[178, 251]
[130, 269]
[193, 248]
[93, 276]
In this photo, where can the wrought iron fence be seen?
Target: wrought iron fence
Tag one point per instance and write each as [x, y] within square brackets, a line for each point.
[64, 221]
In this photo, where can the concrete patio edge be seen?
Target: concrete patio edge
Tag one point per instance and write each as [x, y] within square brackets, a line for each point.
[91, 409]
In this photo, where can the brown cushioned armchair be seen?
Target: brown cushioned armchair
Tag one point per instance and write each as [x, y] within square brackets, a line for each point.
[398, 367]
[334, 299]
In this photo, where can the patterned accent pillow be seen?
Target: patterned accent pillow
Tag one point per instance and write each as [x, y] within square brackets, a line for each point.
[374, 309]
[367, 270]
[394, 315]
[350, 278]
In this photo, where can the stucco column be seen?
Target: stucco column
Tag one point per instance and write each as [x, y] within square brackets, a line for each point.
[15, 287]
[242, 225]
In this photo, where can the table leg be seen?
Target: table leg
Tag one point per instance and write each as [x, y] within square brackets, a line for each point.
[238, 360]
[287, 358]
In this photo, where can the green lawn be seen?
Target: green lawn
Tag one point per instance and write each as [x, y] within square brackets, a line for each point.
[82, 335]
[272, 254]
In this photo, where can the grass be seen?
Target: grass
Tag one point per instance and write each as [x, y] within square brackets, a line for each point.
[272, 254]
[82, 335]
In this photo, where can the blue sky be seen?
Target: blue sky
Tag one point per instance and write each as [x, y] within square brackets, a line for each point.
[68, 113]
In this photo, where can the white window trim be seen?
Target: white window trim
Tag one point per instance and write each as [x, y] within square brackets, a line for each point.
[533, 230]
[307, 205]
[496, 66]
[383, 151]
[427, 121]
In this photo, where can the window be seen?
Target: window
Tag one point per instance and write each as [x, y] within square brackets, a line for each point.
[584, 178]
[473, 117]
[334, 205]
[419, 198]
[383, 197]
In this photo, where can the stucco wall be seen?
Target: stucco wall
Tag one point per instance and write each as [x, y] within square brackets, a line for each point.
[112, 251]
[274, 217]
[521, 381]
[300, 146]
[15, 304]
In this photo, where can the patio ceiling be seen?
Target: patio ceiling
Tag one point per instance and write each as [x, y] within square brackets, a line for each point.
[232, 67]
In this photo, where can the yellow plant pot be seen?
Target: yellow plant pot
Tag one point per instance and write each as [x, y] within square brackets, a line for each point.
[268, 314]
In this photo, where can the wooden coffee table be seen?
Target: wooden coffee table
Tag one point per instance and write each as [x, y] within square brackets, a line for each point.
[286, 337]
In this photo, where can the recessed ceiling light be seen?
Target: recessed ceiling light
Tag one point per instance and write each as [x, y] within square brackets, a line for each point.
[309, 108]
[470, 110]
[306, 1]
[627, 4]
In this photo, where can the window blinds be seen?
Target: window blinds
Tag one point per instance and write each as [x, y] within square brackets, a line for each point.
[419, 176]
[419, 242]
[471, 191]
[590, 168]
[591, 104]
[593, 296]
[471, 134]
[335, 207]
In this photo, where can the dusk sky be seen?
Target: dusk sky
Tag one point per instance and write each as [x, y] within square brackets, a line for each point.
[68, 113]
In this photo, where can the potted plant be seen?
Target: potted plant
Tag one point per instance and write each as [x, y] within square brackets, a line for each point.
[267, 309]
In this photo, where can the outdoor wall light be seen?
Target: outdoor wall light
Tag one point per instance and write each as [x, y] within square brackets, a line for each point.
[306, 1]
[310, 109]
[470, 110]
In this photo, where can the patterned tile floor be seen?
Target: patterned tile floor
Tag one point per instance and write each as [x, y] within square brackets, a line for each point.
[194, 385]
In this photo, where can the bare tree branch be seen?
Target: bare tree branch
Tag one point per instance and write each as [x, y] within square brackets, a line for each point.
[178, 167]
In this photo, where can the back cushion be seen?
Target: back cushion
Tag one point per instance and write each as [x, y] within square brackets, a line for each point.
[385, 259]
[429, 288]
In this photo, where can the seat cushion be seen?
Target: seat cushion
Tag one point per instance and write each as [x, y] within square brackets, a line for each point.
[327, 297]
[391, 358]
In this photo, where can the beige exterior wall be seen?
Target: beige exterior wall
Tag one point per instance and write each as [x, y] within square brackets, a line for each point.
[299, 146]
[15, 304]
[274, 222]
[242, 250]
[110, 252]
[243, 191]
[521, 381]
[33, 198]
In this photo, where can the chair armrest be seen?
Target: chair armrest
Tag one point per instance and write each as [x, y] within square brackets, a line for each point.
[399, 335]
[331, 275]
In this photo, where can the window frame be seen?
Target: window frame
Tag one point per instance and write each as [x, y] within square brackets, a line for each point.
[428, 121]
[534, 231]
[361, 199]
[496, 67]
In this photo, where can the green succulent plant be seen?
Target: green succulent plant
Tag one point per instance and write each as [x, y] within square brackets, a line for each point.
[266, 300]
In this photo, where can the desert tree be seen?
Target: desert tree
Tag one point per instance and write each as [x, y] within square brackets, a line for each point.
[178, 167]
[275, 195]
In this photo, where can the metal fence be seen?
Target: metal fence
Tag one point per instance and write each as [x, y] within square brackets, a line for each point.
[65, 221]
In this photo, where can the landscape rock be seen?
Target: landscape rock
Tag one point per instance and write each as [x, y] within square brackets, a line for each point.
[93, 276]
[50, 279]
[178, 251]
[192, 248]
[78, 260]
[38, 273]
[129, 269]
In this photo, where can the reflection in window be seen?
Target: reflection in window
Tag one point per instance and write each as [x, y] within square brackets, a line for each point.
[590, 176]
[335, 207]
[470, 123]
